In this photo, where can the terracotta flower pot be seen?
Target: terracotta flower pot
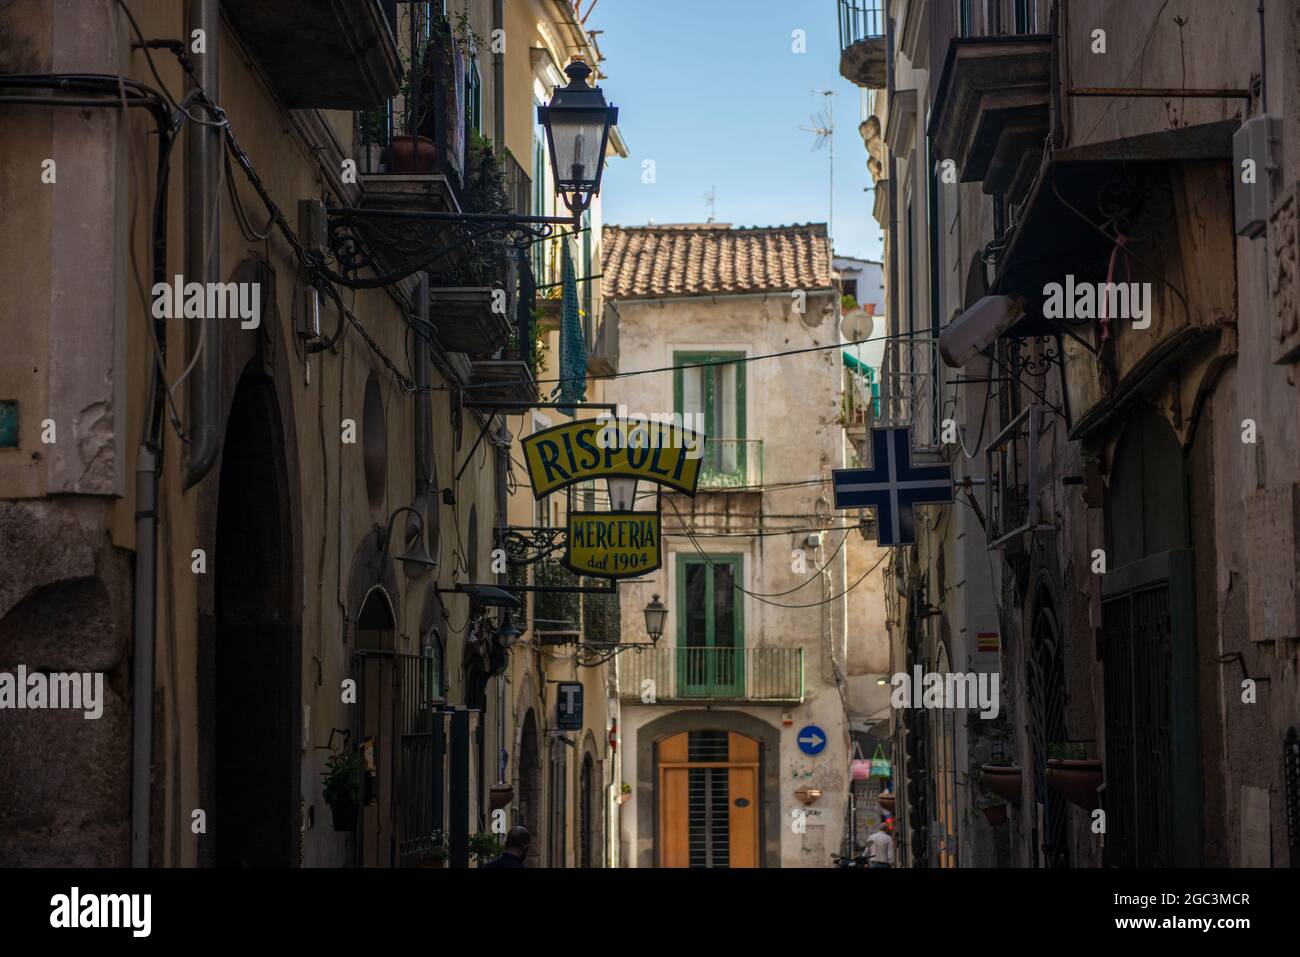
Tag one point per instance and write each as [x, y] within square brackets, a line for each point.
[500, 795]
[886, 801]
[1003, 780]
[996, 814]
[1076, 781]
[412, 154]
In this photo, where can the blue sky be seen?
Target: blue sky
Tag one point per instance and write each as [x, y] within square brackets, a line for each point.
[711, 91]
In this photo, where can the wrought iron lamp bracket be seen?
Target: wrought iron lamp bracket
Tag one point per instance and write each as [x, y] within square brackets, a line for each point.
[397, 243]
[527, 545]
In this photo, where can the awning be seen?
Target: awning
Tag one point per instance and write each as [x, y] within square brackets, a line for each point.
[1063, 226]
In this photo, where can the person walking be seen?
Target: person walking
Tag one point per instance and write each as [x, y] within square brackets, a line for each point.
[880, 847]
[516, 849]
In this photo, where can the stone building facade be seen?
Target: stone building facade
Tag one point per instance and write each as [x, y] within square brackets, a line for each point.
[1123, 549]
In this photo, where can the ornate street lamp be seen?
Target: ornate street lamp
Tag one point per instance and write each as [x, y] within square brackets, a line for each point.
[655, 615]
[577, 123]
[593, 653]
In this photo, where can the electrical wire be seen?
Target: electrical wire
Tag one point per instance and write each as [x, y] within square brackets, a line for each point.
[162, 87]
[779, 604]
[737, 360]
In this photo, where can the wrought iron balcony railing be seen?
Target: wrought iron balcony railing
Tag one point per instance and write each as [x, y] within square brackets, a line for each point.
[422, 128]
[981, 18]
[518, 184]
[862, 42]
[912, 390]
[757, 675]
[861, 20]
[732, 464]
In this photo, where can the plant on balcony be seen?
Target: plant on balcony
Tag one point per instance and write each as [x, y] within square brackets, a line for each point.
[342, 791]
[410, 149]
[1073, 775]
[432, 65]
[486, 192]
[848, 302]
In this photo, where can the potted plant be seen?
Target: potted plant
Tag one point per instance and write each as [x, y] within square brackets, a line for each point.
[433, 77]
[1003, 780]
[436, 855]
[484, 847]
[409, 150]
[1073, 775]
[625, 793]
[343, 787]
[373, 136]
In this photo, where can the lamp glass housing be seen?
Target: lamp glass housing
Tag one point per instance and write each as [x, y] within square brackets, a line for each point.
[577, 123]
[655, 616]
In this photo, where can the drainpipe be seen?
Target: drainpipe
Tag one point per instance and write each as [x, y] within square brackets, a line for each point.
[203, 146]
[503, 752]
[146, 561]
[499, 78]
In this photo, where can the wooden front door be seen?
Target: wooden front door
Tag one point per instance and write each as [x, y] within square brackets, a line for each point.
[708, 800]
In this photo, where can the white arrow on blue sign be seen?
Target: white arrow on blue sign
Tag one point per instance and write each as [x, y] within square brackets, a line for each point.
[811, 739]
[892, 486]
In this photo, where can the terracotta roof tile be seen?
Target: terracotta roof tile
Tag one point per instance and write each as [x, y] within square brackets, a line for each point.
[707, 259]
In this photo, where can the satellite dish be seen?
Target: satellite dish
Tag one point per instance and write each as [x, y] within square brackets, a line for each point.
[857, 324]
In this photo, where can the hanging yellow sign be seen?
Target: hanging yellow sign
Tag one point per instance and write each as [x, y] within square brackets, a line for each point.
[590, 449]
[613, 544]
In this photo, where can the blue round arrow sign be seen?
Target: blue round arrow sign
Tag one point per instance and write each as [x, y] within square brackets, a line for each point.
[811, 739]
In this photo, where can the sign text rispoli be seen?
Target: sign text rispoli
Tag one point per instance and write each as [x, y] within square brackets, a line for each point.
[593, 449]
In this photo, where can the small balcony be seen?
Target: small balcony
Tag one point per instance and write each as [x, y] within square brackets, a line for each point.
[862, 42]
[991, 112]
[703, 675]
[731, 464]
[413, 147]
[912, 390]
[557, 616]
[602, 343]
[320, 54]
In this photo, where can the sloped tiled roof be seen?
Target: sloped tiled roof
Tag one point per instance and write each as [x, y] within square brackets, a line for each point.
[708, 259]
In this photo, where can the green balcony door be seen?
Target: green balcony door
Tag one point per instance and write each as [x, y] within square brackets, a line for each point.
[707, 386]
[710, 639]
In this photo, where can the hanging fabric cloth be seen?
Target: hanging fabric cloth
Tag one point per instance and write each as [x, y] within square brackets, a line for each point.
[573, 344]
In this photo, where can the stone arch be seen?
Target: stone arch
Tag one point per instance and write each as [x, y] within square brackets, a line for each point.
[262, 355]
[591, 805]
[769, 739]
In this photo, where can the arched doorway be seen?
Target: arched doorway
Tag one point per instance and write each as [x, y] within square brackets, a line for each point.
[1148, 617]
[256, 696]
[588, 855]
[379, 733]
[709, 803]
[530, 785]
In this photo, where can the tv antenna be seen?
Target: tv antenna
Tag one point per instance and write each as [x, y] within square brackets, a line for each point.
[823, 129]
[711, 200]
